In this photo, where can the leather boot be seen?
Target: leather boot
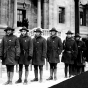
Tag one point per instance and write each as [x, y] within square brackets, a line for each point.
[41, 75]
[36, 76]
[26, 76]
[66, 70]
[20, 78]
[51, 75]
[11, 77]
[8, 76]
[55, 74]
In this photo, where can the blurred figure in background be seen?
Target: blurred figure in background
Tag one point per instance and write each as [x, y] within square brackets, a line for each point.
[80, 59]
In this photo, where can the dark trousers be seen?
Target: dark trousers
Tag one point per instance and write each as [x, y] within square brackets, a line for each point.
[53, 65]
[10, 68]
[21, 67]
[68, 68]
[40, 67]
[80, 69]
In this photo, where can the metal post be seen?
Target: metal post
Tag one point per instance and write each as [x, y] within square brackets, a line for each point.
[76, 16]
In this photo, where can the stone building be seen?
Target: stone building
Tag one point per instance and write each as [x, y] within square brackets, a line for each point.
[63, 14]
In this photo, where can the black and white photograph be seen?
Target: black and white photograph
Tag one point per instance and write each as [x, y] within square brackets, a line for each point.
[44, 43]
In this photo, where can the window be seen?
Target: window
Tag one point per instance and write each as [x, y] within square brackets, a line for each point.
[82, 16]
[19, 18]
[61, 14]
[21, 15]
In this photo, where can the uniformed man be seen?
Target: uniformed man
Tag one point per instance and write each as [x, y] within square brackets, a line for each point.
[54, 49]
[9, 52]
[39, 53]
[81, 48]
[69, 53]
[26, 46]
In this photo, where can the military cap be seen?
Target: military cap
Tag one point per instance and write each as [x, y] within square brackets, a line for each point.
[24, 28]
[38, 30]
[77, 35]
[9, 28]
[69, 32]
[53, 29]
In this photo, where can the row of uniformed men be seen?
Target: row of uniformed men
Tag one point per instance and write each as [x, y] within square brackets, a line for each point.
[21, 50]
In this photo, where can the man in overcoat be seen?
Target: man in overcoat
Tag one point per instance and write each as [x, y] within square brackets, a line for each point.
[39, 53]
[81, 48]
[26, 46]
[9, 52]
[70, 51]
[54, 49]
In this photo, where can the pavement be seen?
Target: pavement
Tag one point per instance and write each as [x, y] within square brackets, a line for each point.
[44, 84]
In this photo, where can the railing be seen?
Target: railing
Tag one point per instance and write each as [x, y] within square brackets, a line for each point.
[45, 33]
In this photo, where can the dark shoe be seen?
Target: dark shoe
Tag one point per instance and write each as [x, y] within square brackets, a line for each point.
[65, 76]
[25, 82]
[55, 78]
[70, 76]
[35, 79]
[10, 82]
[6, 83]
[50, 78]
[18, 81]
[40, 80]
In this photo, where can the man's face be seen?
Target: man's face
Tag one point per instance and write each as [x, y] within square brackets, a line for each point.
[37, 33]
[69, 35]
[23, 32]
[77, 38]
[9, 32]
[53, 32]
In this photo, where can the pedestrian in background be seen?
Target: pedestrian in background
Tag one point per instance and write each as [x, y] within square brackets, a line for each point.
[69, 53]
[9, 52]
[54, 49]
[26, 46]
[80, 59]
[86, 51]
[39, 54]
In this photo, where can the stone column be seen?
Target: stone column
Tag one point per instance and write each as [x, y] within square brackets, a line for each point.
[39, 13]
[46, 13]
[76, 16]
[15, 13]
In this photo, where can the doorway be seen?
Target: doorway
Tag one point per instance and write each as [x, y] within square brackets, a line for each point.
[21, 16]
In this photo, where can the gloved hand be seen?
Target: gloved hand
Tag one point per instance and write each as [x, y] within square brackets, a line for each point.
[17, 58]
[29, 58]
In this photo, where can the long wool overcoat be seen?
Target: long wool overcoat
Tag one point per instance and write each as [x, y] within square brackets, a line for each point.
[81, 48]
[54, 49]
[9, 49]
[70, 51]
[39, 50]
[26, 46]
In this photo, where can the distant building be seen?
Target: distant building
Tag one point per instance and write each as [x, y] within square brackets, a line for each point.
[45, 14]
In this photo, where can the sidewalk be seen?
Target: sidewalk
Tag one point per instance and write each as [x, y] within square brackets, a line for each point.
[44, 84]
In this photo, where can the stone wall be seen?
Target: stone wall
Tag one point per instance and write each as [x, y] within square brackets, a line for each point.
[69, 16]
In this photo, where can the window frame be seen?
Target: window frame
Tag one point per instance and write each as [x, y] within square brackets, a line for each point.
[61, 16]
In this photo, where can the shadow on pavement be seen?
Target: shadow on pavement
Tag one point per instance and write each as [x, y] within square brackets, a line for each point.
[79, 81]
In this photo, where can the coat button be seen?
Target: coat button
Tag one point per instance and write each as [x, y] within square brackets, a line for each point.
[9, 40]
